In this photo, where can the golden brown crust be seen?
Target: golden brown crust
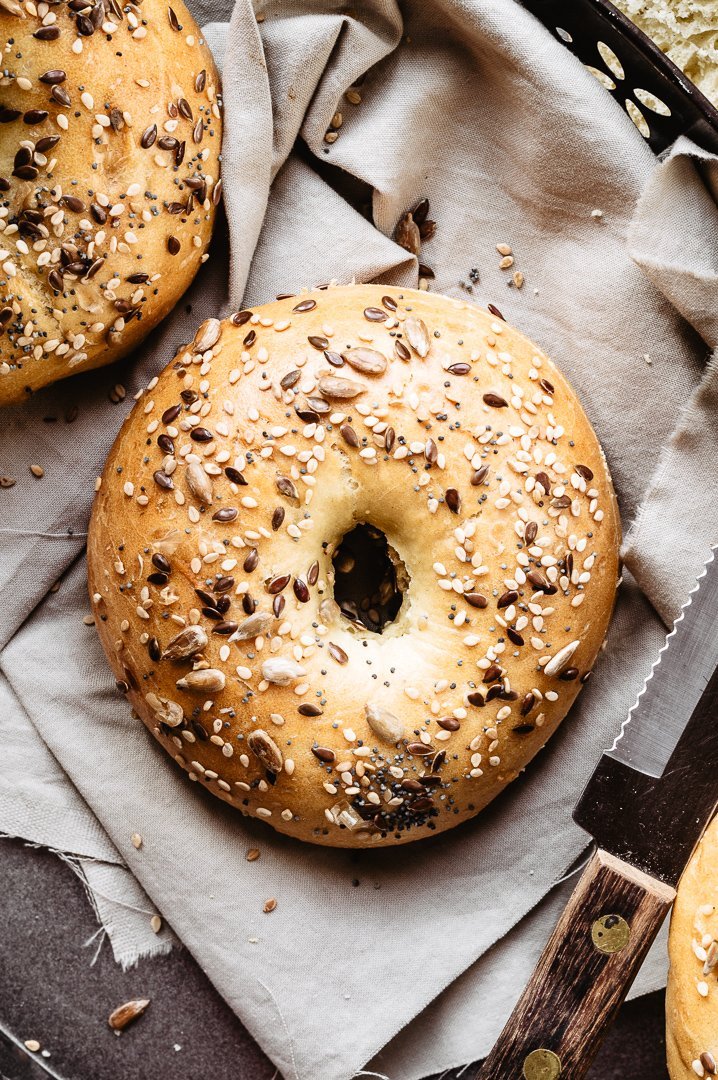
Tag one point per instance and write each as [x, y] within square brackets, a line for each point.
[692, 994]
[109, 166]
[446, 452]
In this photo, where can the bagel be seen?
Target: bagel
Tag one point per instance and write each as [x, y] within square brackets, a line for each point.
[692, 993]
[109, 163]
[351, 558]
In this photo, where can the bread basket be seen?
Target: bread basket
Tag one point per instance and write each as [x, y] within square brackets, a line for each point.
[659, 98]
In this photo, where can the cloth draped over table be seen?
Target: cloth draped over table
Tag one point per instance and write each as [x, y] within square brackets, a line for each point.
[475, 105]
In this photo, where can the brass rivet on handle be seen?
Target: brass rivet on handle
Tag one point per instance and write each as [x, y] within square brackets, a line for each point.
[542, 1065]
[610, 933]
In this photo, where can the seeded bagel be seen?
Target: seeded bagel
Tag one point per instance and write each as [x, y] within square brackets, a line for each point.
[692, 994]
[351, 558]
[109, 165]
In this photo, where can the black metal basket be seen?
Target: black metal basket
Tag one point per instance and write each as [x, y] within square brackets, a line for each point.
[658, 97]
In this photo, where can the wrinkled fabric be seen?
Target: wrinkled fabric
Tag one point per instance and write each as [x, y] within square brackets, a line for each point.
[474, 105]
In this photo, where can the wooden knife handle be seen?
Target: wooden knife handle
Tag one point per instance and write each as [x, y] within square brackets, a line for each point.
[583, 975]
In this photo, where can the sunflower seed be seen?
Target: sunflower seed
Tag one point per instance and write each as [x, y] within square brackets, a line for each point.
[281, 671]
[198, 482]
[187, 643]
[406, 234]
[265, 750]
[167, 712]
[559, 661]
[204, 681]
[421, 211]
[384, 724]
[253, 627]
[330, 386]
[290, 379]
[368, 361]
[207, 335]
[286, 487]
[124, 1014]
[329, 611]
[417, 335]
[318, 406]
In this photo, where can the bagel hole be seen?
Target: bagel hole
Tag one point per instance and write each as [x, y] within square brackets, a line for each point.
[370, 578]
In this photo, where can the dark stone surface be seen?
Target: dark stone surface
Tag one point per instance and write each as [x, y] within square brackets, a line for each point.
[49, 992]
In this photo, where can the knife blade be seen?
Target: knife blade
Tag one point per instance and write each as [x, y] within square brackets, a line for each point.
[646, 805]
[652, 794]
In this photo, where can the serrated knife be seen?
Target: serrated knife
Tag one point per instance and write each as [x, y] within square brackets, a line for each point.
[646, 806]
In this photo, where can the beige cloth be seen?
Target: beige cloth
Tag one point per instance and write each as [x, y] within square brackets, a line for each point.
[474, 104]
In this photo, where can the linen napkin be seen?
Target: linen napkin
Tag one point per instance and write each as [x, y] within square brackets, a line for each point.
[476, 106]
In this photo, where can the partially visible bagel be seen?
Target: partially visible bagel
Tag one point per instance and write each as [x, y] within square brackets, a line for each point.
[110, 133]
[692, 994]
[224, 533]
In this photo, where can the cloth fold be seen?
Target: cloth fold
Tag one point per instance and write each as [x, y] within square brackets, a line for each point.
[474, 105]
[673, 237]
